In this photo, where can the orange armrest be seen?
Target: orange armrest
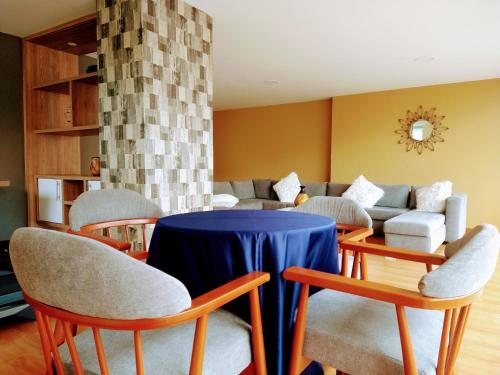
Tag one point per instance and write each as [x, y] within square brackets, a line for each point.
[369, 289]
[356, 235]
[225, 293]
[118, 245]
[394, 252]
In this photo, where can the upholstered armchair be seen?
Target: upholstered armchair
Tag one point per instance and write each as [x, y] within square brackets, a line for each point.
[138, 317]
[363, 327]
[101, 210]
[353, 223]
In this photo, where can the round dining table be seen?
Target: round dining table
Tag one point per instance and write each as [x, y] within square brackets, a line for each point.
[207, 249]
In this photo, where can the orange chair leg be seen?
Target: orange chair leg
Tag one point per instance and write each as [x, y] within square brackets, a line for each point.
[75, 358]
[298, 335]
[257, 334]
[200, 337]
[44, 339]
[139, 362]
[99, 347]
[410, 365]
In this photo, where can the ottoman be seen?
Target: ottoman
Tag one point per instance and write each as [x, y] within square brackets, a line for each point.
[416, 230]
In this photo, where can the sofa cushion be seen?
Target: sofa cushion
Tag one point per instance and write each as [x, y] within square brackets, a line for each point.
[415, 223]
[288, 188]
[394, 196]
[413, 196]
[314, 189]
[224, 200]
[243, 189]
[251, 204]
[427, 244]
[359, 335]
[263, 188]
[433, 198]
[222, 187]
[385, 213]
[275, 205]
[364, 192]
[335, 190]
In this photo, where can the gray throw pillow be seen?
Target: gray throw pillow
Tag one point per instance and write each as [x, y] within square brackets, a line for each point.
[336, 190]
[223, 187]
[263, 188]
[315, 189]
[243, 189]
[394, 196]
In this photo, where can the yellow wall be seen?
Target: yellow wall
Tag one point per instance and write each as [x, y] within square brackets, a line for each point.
[271, 142]
[363, 141]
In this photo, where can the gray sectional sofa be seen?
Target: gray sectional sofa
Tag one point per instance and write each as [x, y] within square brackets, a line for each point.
[394, 214]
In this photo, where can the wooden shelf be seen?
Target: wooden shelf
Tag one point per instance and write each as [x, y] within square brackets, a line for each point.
[69, 177]
[62, 85]
[4, 183]
[68, 203]
[74, 131]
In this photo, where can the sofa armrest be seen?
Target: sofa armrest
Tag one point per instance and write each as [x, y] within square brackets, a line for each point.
[456, 216]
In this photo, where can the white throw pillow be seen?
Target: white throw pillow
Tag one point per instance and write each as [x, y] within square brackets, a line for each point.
[433, 198]
[365, 193]
[288, 188]
[224, 200]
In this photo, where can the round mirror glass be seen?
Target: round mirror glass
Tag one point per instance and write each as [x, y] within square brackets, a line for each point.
[421, 130]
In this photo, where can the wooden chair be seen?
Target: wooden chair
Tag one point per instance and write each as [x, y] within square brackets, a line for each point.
[102, 210]
[353, 223]
[351, 325]
[81, 282]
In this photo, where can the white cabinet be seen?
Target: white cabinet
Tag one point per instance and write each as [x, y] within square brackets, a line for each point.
[50, 205]
[93, 185]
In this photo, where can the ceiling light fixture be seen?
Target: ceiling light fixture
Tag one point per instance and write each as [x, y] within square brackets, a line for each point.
[423, 59]
[271, 82]
[72, 44]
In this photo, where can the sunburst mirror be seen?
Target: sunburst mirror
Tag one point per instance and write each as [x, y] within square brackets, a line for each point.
[421, 129]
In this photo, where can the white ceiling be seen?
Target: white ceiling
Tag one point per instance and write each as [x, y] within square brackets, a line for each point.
[25, 17]
[321, 48]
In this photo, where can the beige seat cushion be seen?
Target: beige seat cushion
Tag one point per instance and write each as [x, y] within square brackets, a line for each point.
[342, 210]
[87, 277]
[108, 205]
[360, 336]
[168, 351]
[472, 261]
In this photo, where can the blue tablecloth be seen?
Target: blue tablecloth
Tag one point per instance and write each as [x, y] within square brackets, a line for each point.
[207, 249]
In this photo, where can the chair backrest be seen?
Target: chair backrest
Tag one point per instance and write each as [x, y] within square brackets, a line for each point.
[86, 277]
[342, 210]
[104, 205]
[471, 263]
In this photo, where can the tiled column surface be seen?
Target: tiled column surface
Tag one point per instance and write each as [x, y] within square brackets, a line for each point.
[155, 98]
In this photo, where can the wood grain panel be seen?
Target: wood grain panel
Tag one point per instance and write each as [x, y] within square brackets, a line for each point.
[46, 154]
[81, 32]
[84, 97]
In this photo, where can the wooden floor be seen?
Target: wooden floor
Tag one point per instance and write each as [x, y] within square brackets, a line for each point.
[480, 354]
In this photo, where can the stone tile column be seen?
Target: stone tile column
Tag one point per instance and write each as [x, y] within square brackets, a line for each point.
[155, 101]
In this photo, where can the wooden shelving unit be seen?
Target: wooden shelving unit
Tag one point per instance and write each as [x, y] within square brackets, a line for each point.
[88, 78]
[72, 131]
[71, 186]
[60, 107]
